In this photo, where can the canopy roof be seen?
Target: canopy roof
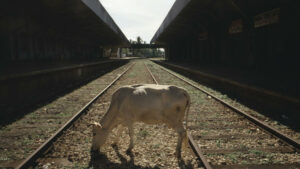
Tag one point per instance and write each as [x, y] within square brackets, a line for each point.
[190, 17]
[80, 20]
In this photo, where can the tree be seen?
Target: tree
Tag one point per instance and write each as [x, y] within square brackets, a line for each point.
[144, 52]
[139, 40]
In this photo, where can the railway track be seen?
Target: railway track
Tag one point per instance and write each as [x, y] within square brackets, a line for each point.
[26, 133]
[63, 149]
[217, 135]
[225, 137]
[193, 145]
[29, 161]
[278, 111]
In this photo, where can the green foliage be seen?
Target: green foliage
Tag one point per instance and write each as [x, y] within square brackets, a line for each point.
[143, 133]
[142, 52]
[232, 157]
[256, 152]
[219, 141]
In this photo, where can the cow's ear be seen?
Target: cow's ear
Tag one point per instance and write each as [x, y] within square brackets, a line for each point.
[96, 124]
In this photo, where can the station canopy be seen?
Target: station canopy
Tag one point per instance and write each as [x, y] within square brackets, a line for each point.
[192, 17]
[80, 20]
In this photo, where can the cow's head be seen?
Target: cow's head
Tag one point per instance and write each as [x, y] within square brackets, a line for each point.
[99, 136]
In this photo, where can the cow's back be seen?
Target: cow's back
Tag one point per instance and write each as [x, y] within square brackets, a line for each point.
[151, 103]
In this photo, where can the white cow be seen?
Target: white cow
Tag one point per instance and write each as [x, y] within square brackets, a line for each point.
[148, 103]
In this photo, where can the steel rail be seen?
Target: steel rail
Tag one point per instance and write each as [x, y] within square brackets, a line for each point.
[192, 142]
[151, 74]
[44, 148]
[251, 118]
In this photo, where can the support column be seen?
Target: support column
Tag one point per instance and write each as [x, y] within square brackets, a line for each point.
[248, 39]
[289, 35]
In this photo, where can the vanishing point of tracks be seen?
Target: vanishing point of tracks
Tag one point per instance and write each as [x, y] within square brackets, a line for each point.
[227, 140]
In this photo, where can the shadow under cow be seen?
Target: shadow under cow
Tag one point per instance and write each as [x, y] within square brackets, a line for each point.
[99, 160]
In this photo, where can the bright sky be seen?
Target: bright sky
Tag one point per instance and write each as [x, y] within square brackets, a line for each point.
[138, 17]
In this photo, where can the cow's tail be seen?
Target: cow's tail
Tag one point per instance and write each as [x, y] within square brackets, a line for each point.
[187, 109]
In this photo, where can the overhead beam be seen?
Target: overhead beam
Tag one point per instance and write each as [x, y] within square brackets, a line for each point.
[144, 46]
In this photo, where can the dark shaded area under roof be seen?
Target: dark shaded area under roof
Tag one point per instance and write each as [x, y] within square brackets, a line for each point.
[254, 41]
[82, 20]
[188, 17]
[100, 11]
[168, 22]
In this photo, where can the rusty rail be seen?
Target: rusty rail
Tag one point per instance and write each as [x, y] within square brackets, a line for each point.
[44, 148]
[266, 127]
[192, 142]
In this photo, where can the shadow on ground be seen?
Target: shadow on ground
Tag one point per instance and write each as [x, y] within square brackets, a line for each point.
[100, 161]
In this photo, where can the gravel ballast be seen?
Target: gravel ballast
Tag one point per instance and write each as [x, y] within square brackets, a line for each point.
[154, 144]
[20, 138]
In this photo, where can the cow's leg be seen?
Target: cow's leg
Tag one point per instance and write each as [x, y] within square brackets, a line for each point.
[131, 134]
[119, 131]
[181, 135]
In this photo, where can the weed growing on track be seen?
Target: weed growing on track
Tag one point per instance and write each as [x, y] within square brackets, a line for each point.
[219, 142]
[232, 157]
[142, 133]
[256, 152]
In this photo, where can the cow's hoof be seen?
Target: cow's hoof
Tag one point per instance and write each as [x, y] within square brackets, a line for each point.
[114, 145]
[178, 155]
[129, 151]
[94, 151]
